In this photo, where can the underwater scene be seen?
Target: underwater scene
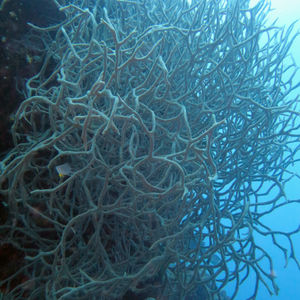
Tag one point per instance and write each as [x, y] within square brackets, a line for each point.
[149, 150]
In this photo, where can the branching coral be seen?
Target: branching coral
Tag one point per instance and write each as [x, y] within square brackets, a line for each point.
[173, 119]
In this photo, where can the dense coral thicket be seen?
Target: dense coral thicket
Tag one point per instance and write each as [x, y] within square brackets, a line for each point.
[145, 150]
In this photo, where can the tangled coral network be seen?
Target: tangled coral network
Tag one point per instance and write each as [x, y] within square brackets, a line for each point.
[153, 140]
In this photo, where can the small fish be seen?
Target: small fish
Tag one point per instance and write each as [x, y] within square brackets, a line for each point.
[273, 273]
[29, 58]
[63, 170]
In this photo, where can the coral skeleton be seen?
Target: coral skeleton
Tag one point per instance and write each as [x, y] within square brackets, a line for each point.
[176, 126]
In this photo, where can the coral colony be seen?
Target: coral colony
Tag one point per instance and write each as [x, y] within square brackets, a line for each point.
[152, 142]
